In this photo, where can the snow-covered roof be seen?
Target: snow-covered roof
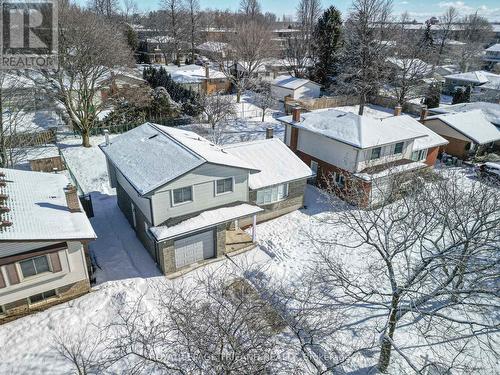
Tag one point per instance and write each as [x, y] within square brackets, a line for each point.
[193, 73]
[490, 110]
[152, 155]
[411, 66]
[205, 220]
[355, 130]
[290, 82]
[473, 124]
[478, 76]
[276, 162]
[38, 210]
[212, 46]
[431, 139]
[15, 81]
[31, 122]
[494, 48]
[391, 170]
[159, 39]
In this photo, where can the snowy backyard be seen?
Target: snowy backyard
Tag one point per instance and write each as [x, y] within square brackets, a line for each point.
[287, 249]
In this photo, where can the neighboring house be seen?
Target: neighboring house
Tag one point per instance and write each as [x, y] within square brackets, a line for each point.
[44, 234]
[120, 80]
[202, 79]
[295, 88]
[490, 110]
[492, 54]
[479, 81]
[409, 68]
[213, 49]
[186, 197]
[359, 156]
[467, 132]
[160, 49]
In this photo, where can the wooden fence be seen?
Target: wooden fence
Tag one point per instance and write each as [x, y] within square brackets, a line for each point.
[48, 164]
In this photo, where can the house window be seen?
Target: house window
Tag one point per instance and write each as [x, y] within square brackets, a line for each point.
[34, 266]
[183, 195]
[419, 155]
[224, 186]
[376, 153]
[398, 148]
[273, 194]
[42, 296]
[339, 180]
[314, 167]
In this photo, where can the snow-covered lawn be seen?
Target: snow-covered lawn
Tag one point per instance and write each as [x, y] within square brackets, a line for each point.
[288, 247]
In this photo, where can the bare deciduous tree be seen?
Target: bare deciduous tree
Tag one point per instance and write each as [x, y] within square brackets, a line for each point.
[174, 25]
[264, 98]
[408, 63]
[446, 24]
[250, 8]
[218, 109]
[90, 47]
[193, 13]
[428, 261]
[245, 52]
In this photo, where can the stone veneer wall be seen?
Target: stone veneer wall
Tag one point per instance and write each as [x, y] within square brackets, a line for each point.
[294, 201]
[21, 307]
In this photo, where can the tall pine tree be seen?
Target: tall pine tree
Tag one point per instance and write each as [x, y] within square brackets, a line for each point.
[327, 37]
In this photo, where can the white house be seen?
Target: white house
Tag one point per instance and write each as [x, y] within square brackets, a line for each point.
[43, 238]
[492, 54]
[295, 88]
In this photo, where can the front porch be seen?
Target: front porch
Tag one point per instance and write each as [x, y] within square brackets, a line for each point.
[238, 240]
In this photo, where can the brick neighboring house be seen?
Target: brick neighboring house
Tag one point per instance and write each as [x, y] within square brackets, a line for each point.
[358, 155]
[187, 198]
[44, 234]
[467, 132]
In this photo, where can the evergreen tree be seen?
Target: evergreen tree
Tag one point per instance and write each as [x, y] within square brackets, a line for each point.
[326, 42]
[427, 38]
[462, 96]
[433, 95]
[131, 38]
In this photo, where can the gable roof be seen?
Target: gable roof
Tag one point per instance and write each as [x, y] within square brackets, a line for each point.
[151, 155]
[193, 73]
[355, 130]
[276, 162]
[479, 77]
[494, 48]
[473, 124]
[490, 110]
[290, 82]
[431, 139]
[38, 209]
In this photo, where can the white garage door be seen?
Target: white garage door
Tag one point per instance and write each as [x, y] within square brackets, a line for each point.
[193, 249]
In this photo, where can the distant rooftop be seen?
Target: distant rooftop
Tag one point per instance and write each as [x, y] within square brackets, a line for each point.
[490, 110]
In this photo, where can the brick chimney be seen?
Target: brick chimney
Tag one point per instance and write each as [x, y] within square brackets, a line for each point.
[207, 72]
[397, 110]
[72, 200]
[296, 114]
[269, 133]
[423, 113]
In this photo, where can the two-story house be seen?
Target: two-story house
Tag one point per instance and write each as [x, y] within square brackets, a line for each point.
[186, 198]
[359, 156]
[44, 234]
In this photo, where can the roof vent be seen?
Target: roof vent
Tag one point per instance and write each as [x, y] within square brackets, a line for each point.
[153, 136]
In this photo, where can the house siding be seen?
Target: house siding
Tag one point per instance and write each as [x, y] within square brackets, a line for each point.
[141, 203]
[70, 269]
[204, 198]
[125, 203]
[294, 201]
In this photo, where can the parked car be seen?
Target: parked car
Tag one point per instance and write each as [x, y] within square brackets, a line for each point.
[489, 169]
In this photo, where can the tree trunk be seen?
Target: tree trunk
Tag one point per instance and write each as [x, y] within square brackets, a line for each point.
[238, 95]
[386, 346]
[263, 115]
[86, 138]
[362, 101]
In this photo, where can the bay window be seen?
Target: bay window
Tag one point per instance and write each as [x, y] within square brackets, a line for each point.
[272, 194]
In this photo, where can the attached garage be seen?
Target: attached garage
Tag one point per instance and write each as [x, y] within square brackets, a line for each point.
[194, 248]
